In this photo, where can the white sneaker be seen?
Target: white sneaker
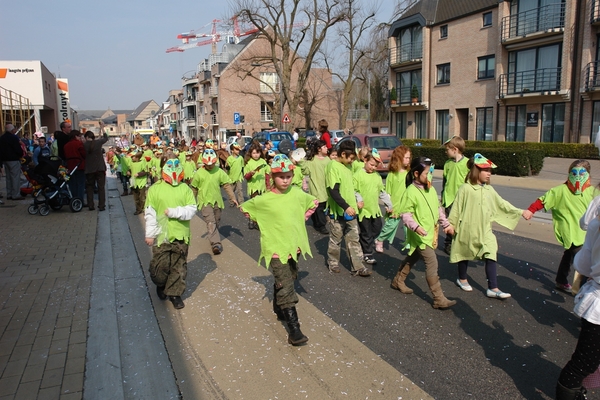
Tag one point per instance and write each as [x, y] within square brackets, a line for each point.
[464, 286]
[497, 295]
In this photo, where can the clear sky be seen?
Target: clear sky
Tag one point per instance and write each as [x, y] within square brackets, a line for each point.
[112, 52]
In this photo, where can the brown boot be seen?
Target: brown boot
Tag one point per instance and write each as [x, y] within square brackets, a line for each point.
[439, 300]
[398, 282]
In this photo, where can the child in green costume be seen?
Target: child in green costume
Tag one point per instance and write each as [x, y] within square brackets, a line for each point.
[395, 185]
[475, 207]
[235, 165]
[314, 167]
[170, 206]
[368, 183]
[189, 168]
[343, 207]
[568, 202]
[255, 173]
[455, 171]
[138, 172]
[207, 183]
[421, 213]
[283, 239]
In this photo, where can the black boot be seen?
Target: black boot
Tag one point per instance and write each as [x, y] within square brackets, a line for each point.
[276, 309]
[160, 291]
[563, 393]
[177, 302]
[296, 337]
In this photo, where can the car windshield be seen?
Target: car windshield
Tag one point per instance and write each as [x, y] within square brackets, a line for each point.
[278, 137]
[384, 142]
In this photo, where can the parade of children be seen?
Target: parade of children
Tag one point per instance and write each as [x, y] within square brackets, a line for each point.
[354, 213]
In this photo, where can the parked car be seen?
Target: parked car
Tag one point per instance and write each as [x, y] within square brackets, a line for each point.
[283, 142]
[385, 145]
[336, 136]
[242, 141]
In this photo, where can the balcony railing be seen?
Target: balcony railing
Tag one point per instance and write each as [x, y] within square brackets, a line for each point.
[548, 18]
[534, 81]
[404, 95]
[595, 12]
[214, 119]
[266, 116]
[410, 52]
[592, 76]
[358, 113]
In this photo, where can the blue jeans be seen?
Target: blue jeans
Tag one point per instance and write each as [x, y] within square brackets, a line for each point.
[77, 184]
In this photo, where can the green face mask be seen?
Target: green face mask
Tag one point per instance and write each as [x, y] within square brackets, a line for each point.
[172, 172]
[578, 179]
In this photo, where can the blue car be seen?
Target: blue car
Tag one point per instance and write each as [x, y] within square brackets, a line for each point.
[283, 142]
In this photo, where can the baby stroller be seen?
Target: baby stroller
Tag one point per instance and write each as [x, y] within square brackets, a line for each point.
[54, 192]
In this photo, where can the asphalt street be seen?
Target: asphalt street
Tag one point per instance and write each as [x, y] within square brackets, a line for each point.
[484, 348]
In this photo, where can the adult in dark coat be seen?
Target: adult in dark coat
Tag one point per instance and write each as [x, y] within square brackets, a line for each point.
[11, 153]
[95, 168]
[62, 137]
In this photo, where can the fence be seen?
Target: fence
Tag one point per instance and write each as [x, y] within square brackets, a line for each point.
[16, 110]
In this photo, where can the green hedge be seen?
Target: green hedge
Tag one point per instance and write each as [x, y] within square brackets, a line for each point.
[509, 162]
[561, 150]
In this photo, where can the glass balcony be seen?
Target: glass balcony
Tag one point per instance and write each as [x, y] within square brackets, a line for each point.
[534, 81]
[411, 52]
[404, 95]
[592, 76]
[549, 18]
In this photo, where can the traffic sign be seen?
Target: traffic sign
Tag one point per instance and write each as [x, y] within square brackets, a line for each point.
[286, 119]
[236, 118]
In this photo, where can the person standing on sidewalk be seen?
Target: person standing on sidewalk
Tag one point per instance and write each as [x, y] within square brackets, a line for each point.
[75, 157]
[422, 213]
[95, 168]
[11, 153]
[568, 202]
[207, 183]
[283, 238]
[455, 171]
[169, 207]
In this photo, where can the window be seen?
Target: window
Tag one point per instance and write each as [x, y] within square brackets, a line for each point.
[266, 111]
[484, 122]
[486, 67]
[515, 123]
[553, 122]
[409, 44]
[404, 83]
[442, 122]
[487, 19]
[421, 124]
[534, 69]
[443, 74]
[400, 126]
[269, 82]
[595, 122]
[443, 31]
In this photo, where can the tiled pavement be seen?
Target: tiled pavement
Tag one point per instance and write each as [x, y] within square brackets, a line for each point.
[45, 275]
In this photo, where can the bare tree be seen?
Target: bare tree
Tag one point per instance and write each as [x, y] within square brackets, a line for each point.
[294, 31]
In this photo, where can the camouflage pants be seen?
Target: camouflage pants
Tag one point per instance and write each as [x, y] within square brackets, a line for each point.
[211, 214]
[285, 275]
[168, 267]
[139, 198]
[341, 229]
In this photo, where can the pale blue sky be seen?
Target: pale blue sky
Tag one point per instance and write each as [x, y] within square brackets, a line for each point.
[112, 52]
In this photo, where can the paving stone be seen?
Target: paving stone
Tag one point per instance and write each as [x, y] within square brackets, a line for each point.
[75, 365]
[78, 337]
[33, 373]
[9, 385]
[50, 393]
[72, 383]
[3, 363]
[14, 368]
[28, 390]
[52, 377]
[61, 333]
[42, 342]
[77, 350]
[72, 396]
[38, 357]
[59, 346]
[56, 361]
[20, 353]
[26, 338]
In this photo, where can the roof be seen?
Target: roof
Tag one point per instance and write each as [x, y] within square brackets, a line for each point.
[433, 12]
[133, 116]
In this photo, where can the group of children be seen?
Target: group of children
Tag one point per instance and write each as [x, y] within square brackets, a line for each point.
[343, 202]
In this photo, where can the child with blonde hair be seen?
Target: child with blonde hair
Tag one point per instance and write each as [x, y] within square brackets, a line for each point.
[455, 171]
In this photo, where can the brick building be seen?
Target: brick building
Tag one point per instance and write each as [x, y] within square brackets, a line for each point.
[518, 70]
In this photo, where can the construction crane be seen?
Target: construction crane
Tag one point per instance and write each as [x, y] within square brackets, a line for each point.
[190, 39]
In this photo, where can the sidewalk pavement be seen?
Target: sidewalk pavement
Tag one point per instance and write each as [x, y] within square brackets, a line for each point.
[79, 317]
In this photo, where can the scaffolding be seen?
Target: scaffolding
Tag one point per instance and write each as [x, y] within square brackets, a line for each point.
[16, 110]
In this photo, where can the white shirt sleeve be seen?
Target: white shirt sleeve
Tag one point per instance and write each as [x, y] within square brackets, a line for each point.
[184, 213]
[152, 227]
